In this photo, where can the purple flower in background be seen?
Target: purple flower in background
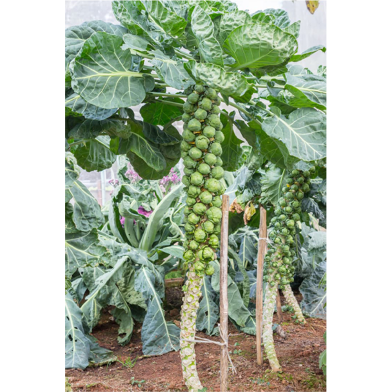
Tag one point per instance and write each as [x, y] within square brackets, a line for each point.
[122, 220]
[132, 175]
[167, 181]
[142, 211]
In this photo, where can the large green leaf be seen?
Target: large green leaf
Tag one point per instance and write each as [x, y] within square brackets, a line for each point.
[203, 29]
[77, 345]
[308, 91]
[208, 312]
[76, 36]
[95, 154]
[228, 83]
[171, 71]
[158, 335]
[160, 113]
[77, 104]
[87, 213]
[259, 45]
[153, 223]
[81, 249]
[165, 137]
[303, 133]
[169, 21]
[230, 21]
[280, 17]
[272, 182]
[101, 73]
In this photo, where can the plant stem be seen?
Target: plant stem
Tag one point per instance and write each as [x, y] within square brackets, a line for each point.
[246, 112]
[292, 301]
[182, 54]
[76, 143]
[171, 103]
[167, 95]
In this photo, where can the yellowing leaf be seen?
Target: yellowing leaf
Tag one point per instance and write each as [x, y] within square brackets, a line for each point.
[312, 6]
[250, 210]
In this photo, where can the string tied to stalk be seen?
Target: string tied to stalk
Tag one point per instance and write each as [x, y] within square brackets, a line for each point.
[224, 343]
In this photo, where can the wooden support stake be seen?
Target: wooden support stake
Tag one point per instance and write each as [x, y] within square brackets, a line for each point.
[279, 308]
[259, 285]
[224, 302]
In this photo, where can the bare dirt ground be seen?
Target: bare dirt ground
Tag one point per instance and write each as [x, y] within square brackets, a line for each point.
[298, 355]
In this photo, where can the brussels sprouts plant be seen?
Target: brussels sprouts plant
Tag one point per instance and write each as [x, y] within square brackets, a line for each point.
[179, 61]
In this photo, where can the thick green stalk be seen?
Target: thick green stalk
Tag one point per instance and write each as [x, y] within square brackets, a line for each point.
[268, 339]
[188, 330]
[292, 301]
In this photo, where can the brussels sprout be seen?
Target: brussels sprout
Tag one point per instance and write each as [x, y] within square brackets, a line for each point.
[312, 169]
[203, 168]
[219, 161]
[288, 209]
[205, 104]
[295, 204]
[187, 171]
[277, 225]
[202, 142]
[278, 211]
[205, 197]
[190, 201]
[210, 269]
[286, 260]
[294, 187]
[197, 178]
[189, 162]
[187, 210]
[199, 88]
[216, 149]
[189, 255]
[211, 93]
[184, 154]
[188, 107]
[199, 208]
[193, 245]
[186, 117]
[282, 269]
[294, 173]
[209, 132]
[213, 185]
[289, 181]
[200, 235]
[281, 217]
[213, 120]
[306, 173]
[289, 195]
[296, 217]
[199, 266]
[219, 137]
[208, 253]
[188, 136]
[305, 187]
[300, 180]
[215, 109]
[217, 172]
[214, 214]
[194, 125]
[300, 195]
[292, 252]
[217, 201]
[210, 159]
[193, 98]
[282, 202]
[189, 235]
[213, 241]
[189, 228]
[208, 226]
[185, 146]
[193, 219]
[200, 114]
[290, 223]
[277, 240]
[217, 229]
[186, 180]
[195, 153]
[220, 126]
[284, 231]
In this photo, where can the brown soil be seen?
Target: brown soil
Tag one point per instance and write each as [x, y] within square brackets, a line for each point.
[298, 355]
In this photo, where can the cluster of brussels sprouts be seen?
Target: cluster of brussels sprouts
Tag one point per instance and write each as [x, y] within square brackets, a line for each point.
[279, 268]
[201, 149]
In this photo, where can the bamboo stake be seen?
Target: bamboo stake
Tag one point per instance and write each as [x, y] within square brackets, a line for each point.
[259, 284]
[224, 302]
[279, 308]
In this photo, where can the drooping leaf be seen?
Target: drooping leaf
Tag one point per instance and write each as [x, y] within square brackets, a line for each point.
[174, 250]
[95, 154]
[307, 53]
[203, 29]
[231, 84]
[161, 137]
[303, 133]
[101, 73]
[230, 21]
[293, 29]
[158, 335]
[126, 323]
[135, 42]
[99, 356]
[259, 45]
[281, 17]
[160, 113]
[208, 312]
[231, 146]
[272, 183]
